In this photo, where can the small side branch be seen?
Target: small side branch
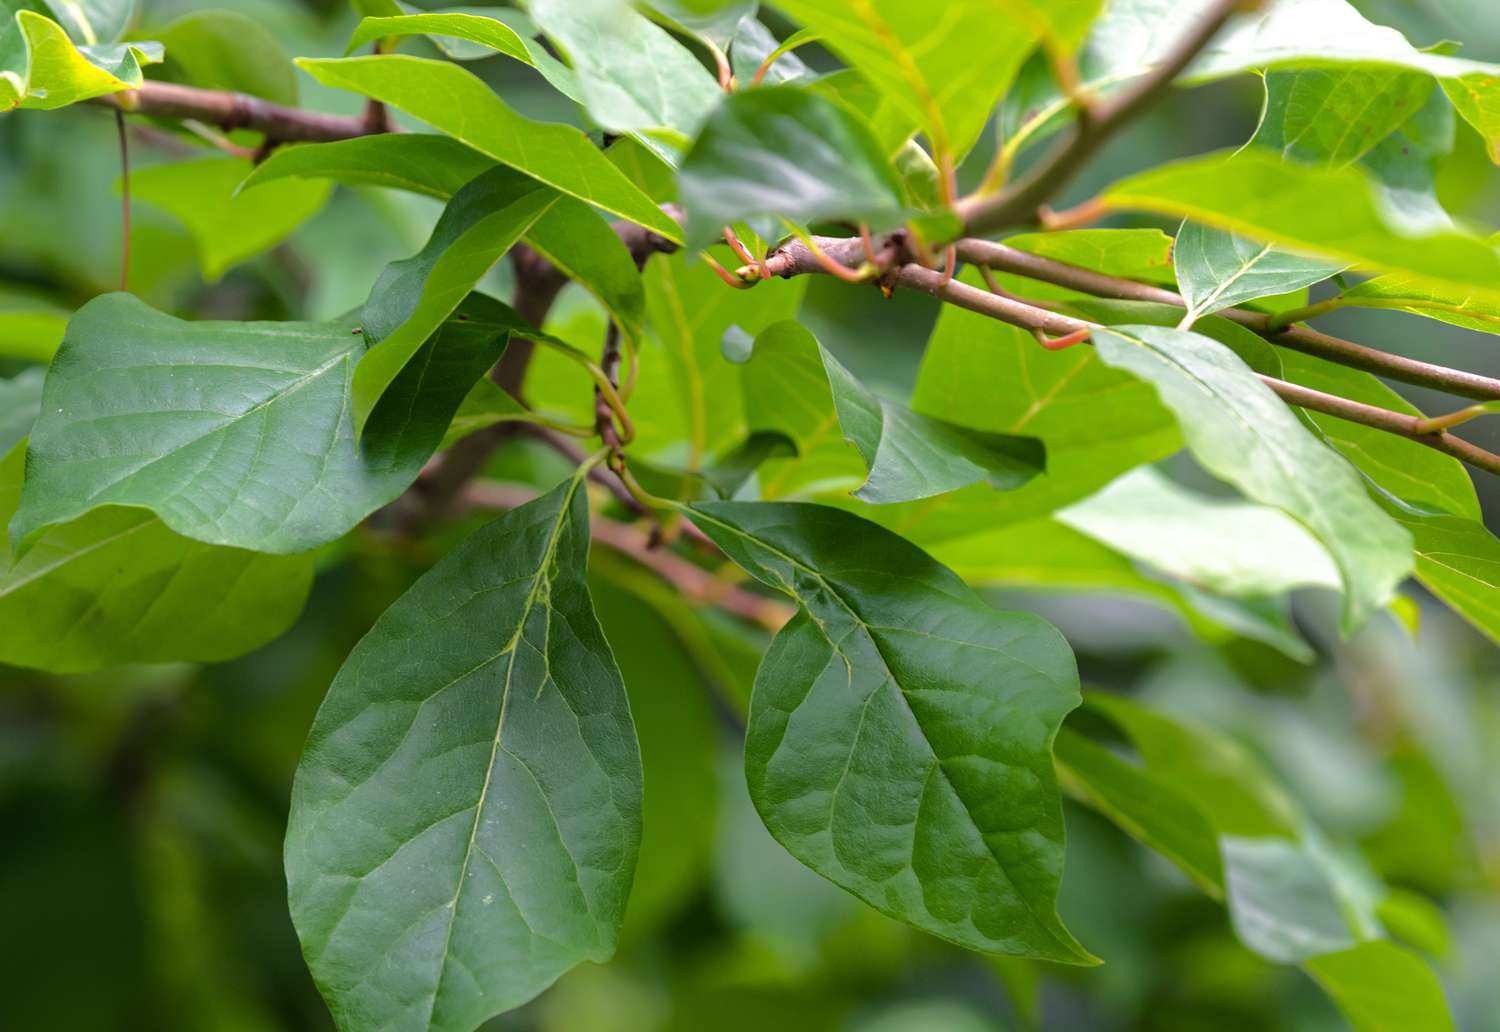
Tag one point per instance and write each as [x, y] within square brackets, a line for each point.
[229, 111]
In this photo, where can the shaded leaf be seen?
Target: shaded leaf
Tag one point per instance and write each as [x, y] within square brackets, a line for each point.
[422, 163]
[1241, 432]
[467, 812]
[900, 732]
[222, 50]
[234, 433]
[1282, 902]
[782, 151]
[753, 43]
[454, 101]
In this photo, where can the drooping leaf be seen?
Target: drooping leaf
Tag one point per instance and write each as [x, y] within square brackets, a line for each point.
[1323, 211]
[414, 296]
[783, 151]
[228, 228]
[1095, 422]
[223, 50]
[115, 586]
[1382, 987]
[794, 385]
[423, 163]
[474, 28]
[41, 67]
[900, 732]
[1242, 432]
[634, 77]
[454, 101]
[233, 433]
[946, 73]
[1218, 270]
[467, 812]
[1458, 559]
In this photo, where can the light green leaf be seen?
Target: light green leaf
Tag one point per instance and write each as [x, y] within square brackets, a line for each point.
[782, 151]
[753, 43]
[1282, 901]
[422, 163]
[946, 73]
[793, 385]
[116, 586]
[1324, 211]
[714, 21]
[1241, 432]
[31, 325]
[40, 67]
[414, 296]
[1228, 546]
[1458, 559]
[20, 404]
[234, 433]
[1382, 987]
[1218, 270]
[93, 21]
[488, 32]
[1138, 254]
[1472, 309]
[1095, 422]
[227, 227]
[633, 76]
[1335, 116]
[1149, 810]
[579, 243]
[900, 732]
[454, 101]
[485, 405]
[222, 50]
[467, 812]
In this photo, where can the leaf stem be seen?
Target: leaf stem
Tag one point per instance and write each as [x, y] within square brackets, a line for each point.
[124, 199]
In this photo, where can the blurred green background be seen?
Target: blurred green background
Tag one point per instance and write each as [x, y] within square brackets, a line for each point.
[142, 809]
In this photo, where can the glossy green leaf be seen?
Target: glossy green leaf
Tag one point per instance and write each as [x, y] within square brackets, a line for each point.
[900, 732]
[1324, 211]
[634, 77]
[1095, 422]
[1336, 116]
[234, 433]
[1472, 309]
[466, 815]
[794, 385]
[475, 28]
[1382, 987]
[422, 163]
[227, 228]
[1241, 432]
[223, 50]
[1228, 546]
[783, 151]
[1150, 810]
[454, 101]
[115, 586]
[41, 67]
[579, 243]
[946, 73]
[414, 296]
[1218, 270]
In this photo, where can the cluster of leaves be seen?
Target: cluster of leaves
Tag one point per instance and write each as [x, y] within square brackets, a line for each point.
[468, 811]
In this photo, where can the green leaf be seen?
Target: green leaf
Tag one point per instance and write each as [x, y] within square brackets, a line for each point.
[1241, 432]
[222, 50]
[1472, 309]
[31, 325]
[1218, 270]
[782, 151]
[20, 404]
[116, 586]
[580, 244]
[488, 32]
[1324, 211]
[633, 76]
[900, 732]
[1282, 901]
[422, 163]
[467, 812]
[945, 73]
[40, 67]
[1459, 561]
[1095, 422]
[455, 102]
[1148, 809]
[234, 433]
[1228, 546]
[713, 21]
[794, 385]
[1138, 254]
[1336, 116]
[227, 227]
[1382, 987]
[753, 43]
[93, 21]
[416, 295]
[485, 405]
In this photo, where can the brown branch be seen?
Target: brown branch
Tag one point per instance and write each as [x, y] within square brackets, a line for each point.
[1299, 338]
[690, 580]
[229, 111]
[1097, 123]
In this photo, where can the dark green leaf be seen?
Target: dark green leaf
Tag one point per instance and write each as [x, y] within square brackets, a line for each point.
[466, 816]
[900, 731]
[423, 163]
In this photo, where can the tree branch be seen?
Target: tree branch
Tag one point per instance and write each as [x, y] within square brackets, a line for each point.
[1097, 123]
[229, 111]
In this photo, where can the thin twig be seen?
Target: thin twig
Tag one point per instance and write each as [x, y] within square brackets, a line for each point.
[230, 111]
[124, 200]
